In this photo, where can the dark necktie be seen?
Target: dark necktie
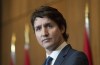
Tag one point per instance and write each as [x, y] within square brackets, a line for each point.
[48, 60]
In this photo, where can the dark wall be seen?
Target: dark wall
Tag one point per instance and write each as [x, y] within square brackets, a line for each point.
[0, 27]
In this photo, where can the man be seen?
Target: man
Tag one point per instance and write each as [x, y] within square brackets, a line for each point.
[50, 29]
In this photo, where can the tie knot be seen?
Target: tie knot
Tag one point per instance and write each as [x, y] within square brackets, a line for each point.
[48, 60]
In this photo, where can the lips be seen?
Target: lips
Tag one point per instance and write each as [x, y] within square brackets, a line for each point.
[46, 40]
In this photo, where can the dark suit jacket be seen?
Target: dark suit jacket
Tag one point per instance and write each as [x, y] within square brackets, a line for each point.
[69, 56]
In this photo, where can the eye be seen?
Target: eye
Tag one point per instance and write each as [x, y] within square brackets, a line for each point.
[38, 28]
[49, 25]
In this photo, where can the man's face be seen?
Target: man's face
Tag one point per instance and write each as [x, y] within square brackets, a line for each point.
[48, 33]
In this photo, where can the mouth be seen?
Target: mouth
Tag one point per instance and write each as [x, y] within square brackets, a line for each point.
[46, 40]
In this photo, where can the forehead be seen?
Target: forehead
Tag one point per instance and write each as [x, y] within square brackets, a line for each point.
[41, 21]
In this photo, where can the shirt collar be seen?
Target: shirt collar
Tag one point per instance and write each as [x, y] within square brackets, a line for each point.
[56, 52]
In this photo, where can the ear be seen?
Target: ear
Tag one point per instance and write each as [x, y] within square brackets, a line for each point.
[62, 29]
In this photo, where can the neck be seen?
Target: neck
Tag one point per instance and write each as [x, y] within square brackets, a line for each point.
[49, 51]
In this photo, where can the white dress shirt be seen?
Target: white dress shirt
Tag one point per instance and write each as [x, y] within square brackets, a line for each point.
[56, 52]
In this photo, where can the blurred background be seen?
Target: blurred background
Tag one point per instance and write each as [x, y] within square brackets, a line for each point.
[18, 44]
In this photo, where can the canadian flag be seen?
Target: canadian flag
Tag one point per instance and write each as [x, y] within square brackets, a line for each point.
[87, 49]
[27, 58]
[11, 62]
[13, 54]
[26, 46]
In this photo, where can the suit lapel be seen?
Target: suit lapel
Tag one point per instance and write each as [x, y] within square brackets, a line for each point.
[63, 53]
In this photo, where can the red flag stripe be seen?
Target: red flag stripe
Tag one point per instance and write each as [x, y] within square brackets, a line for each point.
[11, 62]
[27, 58]
[87, 48]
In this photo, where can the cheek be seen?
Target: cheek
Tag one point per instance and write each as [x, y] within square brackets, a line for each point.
[56, 33]
[38, 37]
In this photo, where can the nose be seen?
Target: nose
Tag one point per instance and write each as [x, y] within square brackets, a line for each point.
[44, 32]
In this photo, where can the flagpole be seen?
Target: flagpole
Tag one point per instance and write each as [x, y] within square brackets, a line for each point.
[87, 19]
[26, 36]
[13, 58]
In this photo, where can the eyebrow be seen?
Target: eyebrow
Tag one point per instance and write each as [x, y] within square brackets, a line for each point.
[47, 24]
[44, 24]
[37, 26]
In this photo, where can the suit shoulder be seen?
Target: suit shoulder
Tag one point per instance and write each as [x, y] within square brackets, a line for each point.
[78, 57]
[77, 53]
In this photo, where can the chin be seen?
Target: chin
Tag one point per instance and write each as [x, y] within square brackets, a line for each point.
[50, 47]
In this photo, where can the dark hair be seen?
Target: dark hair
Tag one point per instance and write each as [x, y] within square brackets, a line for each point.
[53, 14]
